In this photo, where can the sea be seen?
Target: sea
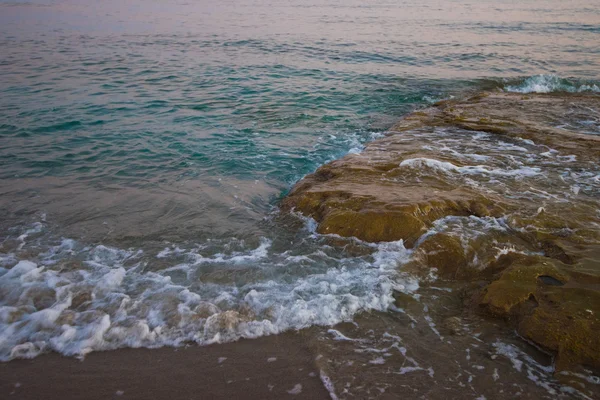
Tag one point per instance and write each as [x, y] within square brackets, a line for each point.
[145, 147]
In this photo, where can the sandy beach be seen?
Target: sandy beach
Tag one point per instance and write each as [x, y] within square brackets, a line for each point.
[272, 367]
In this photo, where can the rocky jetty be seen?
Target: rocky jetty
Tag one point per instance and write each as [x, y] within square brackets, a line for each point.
[500, 191]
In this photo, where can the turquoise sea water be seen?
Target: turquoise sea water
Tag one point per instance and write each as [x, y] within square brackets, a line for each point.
[228, 104]
[148, 94]
[147, 145]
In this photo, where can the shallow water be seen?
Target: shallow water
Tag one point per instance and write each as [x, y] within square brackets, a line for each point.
[145, 147]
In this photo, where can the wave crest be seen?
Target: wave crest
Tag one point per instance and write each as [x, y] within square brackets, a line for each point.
[551, 84]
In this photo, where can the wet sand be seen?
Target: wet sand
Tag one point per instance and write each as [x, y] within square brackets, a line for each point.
[242, 370]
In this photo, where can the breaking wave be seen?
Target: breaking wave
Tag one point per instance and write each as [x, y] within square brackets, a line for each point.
[550, 84]
[75, 299]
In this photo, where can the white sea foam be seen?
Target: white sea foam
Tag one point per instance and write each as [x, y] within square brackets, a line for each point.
[111, 300]
[339, 336]
[297, 389]
[551, 83]
[447, 167]
[540, 374]
[328, 385]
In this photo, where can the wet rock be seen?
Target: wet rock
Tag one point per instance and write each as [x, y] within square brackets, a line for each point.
[407, 302]
[446, 254]
[551, 309]
[409, 183]
[537, 116]
[555, 233]
[367, 206]
[454, 326]
[369, 196]
[517, 285]
[567, 322]
[373, 226]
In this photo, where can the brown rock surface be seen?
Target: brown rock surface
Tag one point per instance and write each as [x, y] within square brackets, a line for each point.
[446, 254]
[507, 187]
[550, 308]
[370, 196]
[538, 117]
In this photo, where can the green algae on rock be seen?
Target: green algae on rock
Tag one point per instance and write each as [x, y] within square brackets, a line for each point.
[539, 117]
[376, 197]
[550, 308]
[446, 254]
[499, 189]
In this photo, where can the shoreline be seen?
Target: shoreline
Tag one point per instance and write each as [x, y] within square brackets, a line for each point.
[267, 368]
[512, 288]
